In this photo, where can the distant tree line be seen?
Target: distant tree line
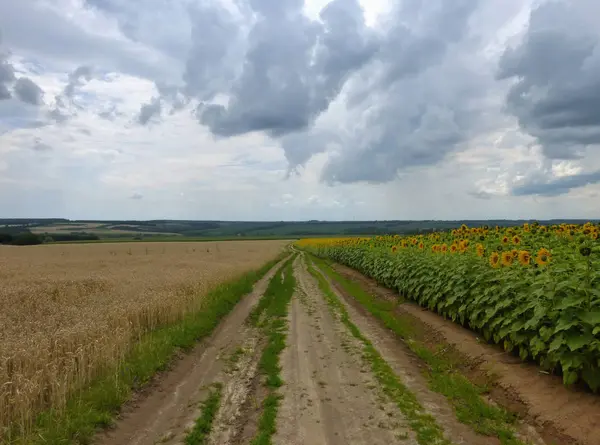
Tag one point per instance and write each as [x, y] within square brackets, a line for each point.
[30, 239]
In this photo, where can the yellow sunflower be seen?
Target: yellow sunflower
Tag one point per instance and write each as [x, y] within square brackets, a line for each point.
[516, 240]
[505, 240]
[394, 248]
[444, 248]
[480, 250]
[495, 259]
[524, 258]
[507, 258]
[421, 245]
[453, 248]
[543, 257]
[514, 253]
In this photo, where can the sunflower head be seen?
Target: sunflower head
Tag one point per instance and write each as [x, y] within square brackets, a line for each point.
[543, 257]
[495, 259]
[507, 258]
[505, 240]
[524, 258]
[444, 248]
[480, 250]
[394, 248]
[453, 248]
[421, 245]
[516, 240]
[514, 253]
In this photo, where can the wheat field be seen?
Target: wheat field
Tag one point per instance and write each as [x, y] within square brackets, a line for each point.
[70, 312]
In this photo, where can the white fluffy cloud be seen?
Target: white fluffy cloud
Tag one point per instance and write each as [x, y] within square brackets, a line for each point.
[291, 109]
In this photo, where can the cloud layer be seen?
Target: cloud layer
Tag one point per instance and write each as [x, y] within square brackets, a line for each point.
[410, 106]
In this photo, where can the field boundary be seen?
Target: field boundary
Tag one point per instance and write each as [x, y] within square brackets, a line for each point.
[95, 406]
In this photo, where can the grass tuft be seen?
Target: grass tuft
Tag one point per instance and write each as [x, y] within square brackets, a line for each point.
[274, 307]
[202, 427]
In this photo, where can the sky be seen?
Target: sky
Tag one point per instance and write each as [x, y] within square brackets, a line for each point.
[298, 110]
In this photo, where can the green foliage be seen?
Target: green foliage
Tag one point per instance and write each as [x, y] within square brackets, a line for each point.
[27, 239]
[202, 427]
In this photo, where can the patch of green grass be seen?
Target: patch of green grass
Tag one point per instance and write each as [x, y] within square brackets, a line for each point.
[274, 305]
[427, 431]
[465, 397]
[199, 435]
[96, 405]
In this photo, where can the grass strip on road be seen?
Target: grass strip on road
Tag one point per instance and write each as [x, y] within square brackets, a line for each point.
[202, 427]
[427, 430]
[273, 307]
[464, 396]
[96, 405]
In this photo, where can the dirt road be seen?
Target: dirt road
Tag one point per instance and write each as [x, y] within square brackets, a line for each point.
[330, 396]
[331, 392]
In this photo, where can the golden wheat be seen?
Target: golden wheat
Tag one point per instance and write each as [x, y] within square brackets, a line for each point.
[70, 312]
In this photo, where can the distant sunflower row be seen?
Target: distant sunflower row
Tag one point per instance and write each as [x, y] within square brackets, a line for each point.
[523, 257]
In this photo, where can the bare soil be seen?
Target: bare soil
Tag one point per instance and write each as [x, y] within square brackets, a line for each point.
[561, 415]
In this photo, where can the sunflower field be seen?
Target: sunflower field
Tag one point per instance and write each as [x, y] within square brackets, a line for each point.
[533, 289]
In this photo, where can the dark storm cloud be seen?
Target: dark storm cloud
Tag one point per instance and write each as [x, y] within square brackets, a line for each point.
[413, 105]
[293, 68]
[147, 111]
[556, 96]
[4, 92]
[7, 74]
[422, 101]
[28, 91]
[557, 186]
[214, 35]
[77, 78]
